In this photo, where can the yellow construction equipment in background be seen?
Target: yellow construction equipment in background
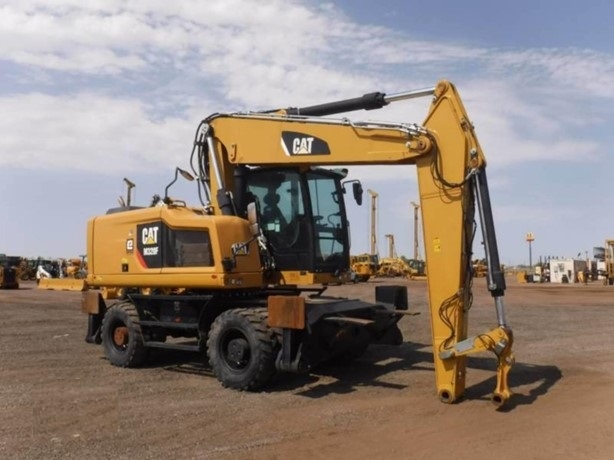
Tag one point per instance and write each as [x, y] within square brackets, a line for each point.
[68, 275]
[480, 269]
[364, 266]
[76, 268]
[63, 284]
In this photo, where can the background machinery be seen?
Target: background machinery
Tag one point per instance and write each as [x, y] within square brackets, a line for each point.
[242, 276]
[365, 266]
[392, 266]
[75, 267]
[27, 269]
[417, 265]
[416, 207]
[9, 271]
[609, 262]
[392, 250]
[373, 221]
[480, 268]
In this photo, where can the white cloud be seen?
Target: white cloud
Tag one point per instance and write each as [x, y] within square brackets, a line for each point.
[89, 132]
[582, 72]
[241, 54]
[159, 30]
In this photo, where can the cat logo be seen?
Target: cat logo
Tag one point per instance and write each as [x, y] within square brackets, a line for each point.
[149, 236]
[294, 144]
[302, 145]
[149, 240]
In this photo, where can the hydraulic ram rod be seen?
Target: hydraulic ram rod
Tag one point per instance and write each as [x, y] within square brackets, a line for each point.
[368, 101]
[496, 277]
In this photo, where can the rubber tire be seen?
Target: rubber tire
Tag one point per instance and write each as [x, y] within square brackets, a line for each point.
[134, 352]
[248, 325]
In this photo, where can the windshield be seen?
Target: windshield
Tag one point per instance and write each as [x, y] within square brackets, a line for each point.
[326, 202]
[302, 216]
[281, 201]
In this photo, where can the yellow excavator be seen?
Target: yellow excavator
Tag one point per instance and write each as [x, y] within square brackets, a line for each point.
[241, 277]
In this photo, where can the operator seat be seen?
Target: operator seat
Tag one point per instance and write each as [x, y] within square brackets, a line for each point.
[272, 217]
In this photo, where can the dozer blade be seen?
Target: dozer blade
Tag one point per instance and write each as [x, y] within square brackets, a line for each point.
[62, 284]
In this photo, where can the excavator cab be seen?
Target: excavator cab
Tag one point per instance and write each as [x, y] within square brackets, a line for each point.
[303, 217]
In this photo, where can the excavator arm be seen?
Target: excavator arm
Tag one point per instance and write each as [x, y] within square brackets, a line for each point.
[452, 186]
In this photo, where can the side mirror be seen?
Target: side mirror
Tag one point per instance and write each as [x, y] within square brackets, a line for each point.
[357, 191]
[186, 175]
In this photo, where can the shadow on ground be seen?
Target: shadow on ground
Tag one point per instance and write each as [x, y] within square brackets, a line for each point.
[540, 379]
[370, 371]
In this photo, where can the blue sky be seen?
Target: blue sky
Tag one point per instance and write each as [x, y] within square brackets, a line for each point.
[92, 92]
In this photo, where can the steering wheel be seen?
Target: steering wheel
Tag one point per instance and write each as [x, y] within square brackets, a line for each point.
[286, 237]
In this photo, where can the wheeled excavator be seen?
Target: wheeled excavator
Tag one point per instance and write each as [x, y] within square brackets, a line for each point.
[242, 276]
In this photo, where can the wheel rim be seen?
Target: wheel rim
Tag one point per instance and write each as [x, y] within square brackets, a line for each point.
[236, 352]
[120, 336]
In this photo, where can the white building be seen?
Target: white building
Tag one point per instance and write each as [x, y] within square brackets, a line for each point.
[566, 270]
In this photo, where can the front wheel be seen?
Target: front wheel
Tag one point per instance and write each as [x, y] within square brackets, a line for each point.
[241, 349]
[122, 339]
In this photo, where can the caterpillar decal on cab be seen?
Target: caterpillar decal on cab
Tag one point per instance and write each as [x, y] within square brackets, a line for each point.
[149, 253]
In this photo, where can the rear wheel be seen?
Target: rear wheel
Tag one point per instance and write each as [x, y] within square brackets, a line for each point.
[241, 349]
[122, 339]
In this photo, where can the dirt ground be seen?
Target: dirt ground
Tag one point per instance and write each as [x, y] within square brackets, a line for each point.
[60, 398]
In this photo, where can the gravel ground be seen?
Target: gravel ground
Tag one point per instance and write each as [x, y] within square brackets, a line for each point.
[60, 398]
